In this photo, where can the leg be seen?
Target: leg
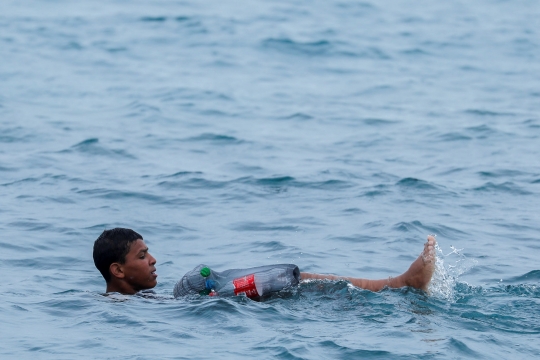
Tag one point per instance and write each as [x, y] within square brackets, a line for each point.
[417, 276]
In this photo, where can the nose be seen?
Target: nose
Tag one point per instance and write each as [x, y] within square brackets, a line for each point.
[152, 259]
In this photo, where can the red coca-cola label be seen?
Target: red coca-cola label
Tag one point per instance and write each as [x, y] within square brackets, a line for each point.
[245, 284]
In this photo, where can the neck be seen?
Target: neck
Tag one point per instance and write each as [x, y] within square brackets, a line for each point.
[120, 287]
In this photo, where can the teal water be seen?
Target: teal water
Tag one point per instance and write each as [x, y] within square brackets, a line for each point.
[332, 135]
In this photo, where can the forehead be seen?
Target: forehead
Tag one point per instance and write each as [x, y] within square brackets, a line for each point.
[136, 247]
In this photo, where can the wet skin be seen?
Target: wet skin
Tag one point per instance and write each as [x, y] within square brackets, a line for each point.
[136, 273]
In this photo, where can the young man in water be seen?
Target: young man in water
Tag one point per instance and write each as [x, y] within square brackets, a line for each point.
[123, 259]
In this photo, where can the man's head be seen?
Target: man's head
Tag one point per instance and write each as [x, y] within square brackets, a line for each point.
[122, 258]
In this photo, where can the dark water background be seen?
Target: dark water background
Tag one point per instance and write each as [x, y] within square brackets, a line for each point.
[333, 135]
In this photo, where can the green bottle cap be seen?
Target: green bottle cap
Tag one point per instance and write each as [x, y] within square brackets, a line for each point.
[205, 272]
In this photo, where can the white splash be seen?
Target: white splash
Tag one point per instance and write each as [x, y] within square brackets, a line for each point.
[446, 275]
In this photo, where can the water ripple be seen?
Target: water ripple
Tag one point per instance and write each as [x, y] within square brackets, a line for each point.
[92, 147]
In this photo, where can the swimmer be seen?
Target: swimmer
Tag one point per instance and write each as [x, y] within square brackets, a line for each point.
[123, 259]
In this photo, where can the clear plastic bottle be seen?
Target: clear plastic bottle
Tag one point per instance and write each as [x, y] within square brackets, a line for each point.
[253, 282]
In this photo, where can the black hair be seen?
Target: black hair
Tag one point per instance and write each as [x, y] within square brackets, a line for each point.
[112, 246]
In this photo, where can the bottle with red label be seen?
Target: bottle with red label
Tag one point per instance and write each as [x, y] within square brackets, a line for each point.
[253, 282]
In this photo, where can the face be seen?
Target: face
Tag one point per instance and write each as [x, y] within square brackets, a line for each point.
[139, 268]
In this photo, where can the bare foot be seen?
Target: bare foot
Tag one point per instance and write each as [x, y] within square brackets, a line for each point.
[421, 270]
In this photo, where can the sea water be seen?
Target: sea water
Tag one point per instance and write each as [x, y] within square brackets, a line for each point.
[335, 135]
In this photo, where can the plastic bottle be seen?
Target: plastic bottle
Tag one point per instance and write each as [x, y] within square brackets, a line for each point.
[253, 282]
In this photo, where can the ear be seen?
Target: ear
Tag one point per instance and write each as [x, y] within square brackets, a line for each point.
[117, 270]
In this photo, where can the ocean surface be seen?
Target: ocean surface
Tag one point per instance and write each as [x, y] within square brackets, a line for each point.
[335, 135]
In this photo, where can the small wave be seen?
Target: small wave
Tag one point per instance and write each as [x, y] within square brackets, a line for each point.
[378, 89]
[280, 180]
[532, 123]
[22, 181]
[32, 225]
[3, 168]
[484, 131]
[412, 226]
[526, 290]
[267, 246]
[72, 45]
[194, 180]
[328, 184]
[347, 352]
[379, 122]
[298, 116]
[413, 183]
[9, 139]
[479, 112]
[500, 173]
[217, 308]
[353, 239]
[153, 18]
[321, 47]
[191, 22]
[415, 52]
[418, 227]
[454, 136]
[528, 277]
[183, 173]
[115, 49]
[138, 108]
[452, 170]
[217, 139]
[126, 195]
[91, 146]
[14, 134]
[459, 348]
[214, 113]
[191, 94]
[100, 226]
[506, 187]
[377, 190]
[86, 142]
[362, 6]
[259, 226]
[375, 53]
[20, 249]
[193, 183]
[43, 262]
